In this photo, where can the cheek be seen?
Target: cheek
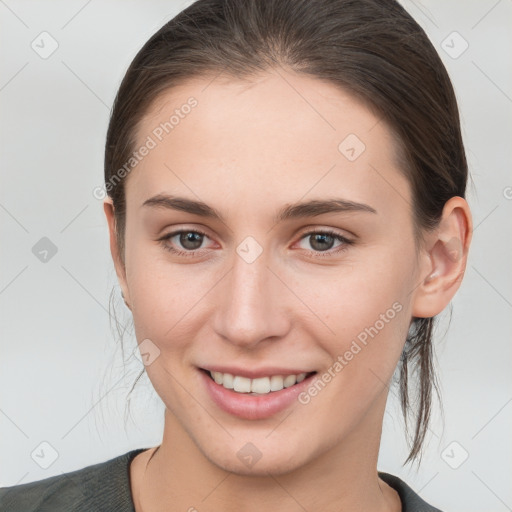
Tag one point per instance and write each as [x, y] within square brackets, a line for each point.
[168, 299]
[362, 312]
[369, 320]
[157, 295]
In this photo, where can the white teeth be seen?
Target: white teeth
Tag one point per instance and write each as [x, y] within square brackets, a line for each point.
[276, 383]
[289, 380]
[261, 385]
[242, 384]
[228, 381]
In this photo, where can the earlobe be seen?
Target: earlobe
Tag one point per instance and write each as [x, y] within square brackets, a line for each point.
[108, 208]
[445, 260]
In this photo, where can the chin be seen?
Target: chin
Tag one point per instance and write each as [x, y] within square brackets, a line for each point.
[245, 459]
[274, 465]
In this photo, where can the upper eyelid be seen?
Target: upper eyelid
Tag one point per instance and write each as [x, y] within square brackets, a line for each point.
[303, 230]
[330, 231]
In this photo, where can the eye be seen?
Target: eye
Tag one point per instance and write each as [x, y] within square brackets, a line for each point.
[191, 241]
[188, 239]
[323, 241]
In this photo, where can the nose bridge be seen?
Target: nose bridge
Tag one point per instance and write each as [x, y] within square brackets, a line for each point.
[250, 308]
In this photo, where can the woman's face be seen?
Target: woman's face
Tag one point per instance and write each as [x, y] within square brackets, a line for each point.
[264, 285]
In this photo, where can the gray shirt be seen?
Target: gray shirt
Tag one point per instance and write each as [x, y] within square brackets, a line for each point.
[105, 487]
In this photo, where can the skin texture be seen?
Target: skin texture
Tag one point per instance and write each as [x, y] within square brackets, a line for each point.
[247, 150]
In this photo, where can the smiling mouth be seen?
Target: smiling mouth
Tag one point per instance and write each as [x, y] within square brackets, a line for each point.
[258, 386]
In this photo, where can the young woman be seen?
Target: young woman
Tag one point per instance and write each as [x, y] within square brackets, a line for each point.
[286, 183]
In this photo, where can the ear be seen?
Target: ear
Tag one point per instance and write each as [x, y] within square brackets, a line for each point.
[108, 208]
[443, 259]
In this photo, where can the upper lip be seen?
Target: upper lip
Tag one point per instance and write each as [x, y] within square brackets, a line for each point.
[254, 373]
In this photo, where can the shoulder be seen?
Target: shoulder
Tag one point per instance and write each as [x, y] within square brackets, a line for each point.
[411, 502]
[95, 488]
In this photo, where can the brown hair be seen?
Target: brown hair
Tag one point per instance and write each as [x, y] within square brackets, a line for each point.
[370, 48]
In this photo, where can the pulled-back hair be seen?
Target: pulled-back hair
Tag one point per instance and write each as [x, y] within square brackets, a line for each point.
[370, 48]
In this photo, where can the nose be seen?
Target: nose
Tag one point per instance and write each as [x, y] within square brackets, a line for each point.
[251, 304]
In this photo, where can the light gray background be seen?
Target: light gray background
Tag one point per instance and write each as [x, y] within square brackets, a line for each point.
[62, 378]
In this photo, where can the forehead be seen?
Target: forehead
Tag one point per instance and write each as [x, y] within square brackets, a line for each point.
[280, 135]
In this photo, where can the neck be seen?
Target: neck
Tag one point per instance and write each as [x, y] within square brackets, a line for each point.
[343, 478]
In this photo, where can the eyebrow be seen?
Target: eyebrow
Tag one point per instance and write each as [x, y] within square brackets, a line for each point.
[292, 211]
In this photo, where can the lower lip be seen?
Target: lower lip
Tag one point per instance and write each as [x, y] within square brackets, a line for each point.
[253, 407]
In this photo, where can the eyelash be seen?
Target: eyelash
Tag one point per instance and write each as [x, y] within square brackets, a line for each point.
[317, 254]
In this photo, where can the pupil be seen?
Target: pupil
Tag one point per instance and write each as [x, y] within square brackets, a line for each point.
[322, 238]
[191, 238]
